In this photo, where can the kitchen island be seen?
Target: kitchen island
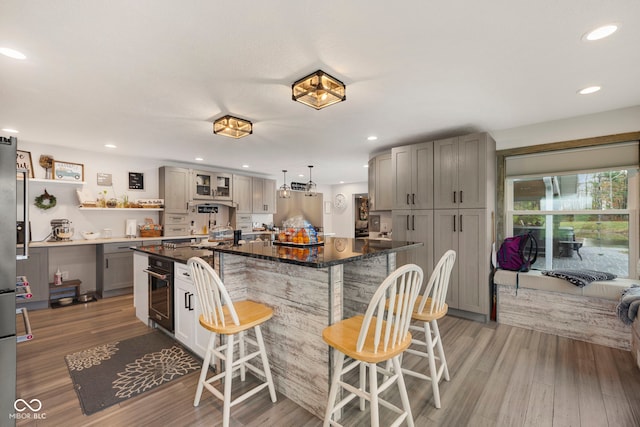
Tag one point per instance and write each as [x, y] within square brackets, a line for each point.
[308, 288]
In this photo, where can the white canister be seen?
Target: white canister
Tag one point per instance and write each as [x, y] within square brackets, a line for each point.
[131, 228]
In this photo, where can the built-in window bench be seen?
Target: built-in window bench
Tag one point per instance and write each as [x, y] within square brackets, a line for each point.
[555, 306]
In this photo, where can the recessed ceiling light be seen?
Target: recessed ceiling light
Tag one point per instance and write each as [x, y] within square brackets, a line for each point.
[372, 138]
[588, 90]
[12, 53]
[301, 175]
[245, 166]
[365, 166]
[10, 130]
[199, 159]
[341, 182]
[110, 145]
[600, 32]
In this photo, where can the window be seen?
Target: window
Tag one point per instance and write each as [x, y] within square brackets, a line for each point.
[582, 220]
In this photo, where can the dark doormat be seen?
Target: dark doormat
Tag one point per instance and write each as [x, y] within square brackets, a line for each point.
[105, 375]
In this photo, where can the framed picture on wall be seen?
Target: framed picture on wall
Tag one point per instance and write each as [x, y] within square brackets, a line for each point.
[23, 161]
[67, 171]
[136, 181]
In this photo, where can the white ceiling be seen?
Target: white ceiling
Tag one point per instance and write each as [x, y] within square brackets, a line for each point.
[151, 75]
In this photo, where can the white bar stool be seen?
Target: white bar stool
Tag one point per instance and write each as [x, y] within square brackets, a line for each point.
[429, 308]
[221, 316]
[381, 335]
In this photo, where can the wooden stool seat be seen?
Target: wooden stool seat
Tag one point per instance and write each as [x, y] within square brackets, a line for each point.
[250, 314]
[426, 316]
[343, 336]
[223, 317]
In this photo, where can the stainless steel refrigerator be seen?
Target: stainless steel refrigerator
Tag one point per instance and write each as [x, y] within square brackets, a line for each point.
[14, 201]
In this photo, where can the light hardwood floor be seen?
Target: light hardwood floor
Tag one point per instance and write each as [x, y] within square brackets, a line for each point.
[500, 376]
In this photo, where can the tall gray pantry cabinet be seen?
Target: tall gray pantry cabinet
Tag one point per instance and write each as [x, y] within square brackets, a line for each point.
[462, 179]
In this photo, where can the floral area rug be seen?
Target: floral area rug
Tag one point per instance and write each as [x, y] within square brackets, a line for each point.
[105, 375]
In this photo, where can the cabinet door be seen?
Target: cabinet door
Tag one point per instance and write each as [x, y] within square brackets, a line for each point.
[446, 226]
[422, 176]
[184, 324]
[383, 183]
[174, 189]
[141, 286]
[118, 270]
[201, 186]
[269, 195]
[445, 173]
[401, 226]
[222, 184]
[473, 260]
[472, 171]
[242, 195]
[257, 198]
[401, 177]
[35, 268]
[371, 187]
[421, 223]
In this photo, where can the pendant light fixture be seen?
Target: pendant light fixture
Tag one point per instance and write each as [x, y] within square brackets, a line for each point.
[318, 90]
[311, 186]
[233, 127]
[285, 191]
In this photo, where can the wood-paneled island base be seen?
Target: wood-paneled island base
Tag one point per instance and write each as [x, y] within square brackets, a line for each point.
[308, 290]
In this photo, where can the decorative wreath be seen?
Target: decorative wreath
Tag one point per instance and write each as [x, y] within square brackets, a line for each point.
[45, 200]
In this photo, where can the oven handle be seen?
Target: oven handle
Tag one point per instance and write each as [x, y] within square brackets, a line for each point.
[156, 275]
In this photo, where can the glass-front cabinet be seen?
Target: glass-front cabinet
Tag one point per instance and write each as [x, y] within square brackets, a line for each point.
[207, 185]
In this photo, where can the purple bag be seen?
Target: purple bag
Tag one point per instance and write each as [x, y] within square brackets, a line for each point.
[518, 253]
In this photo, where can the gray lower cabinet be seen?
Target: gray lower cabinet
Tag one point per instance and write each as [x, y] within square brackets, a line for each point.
[114, 269]
[187, 312]
[35, 268]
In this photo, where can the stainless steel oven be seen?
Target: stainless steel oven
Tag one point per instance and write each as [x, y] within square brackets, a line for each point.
[160, 272]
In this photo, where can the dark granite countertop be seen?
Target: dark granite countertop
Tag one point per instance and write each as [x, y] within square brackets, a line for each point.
[180, 254]
[335, 251]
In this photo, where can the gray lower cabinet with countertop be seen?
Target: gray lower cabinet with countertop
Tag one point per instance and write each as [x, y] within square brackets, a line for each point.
[35, 268]
[114, 268]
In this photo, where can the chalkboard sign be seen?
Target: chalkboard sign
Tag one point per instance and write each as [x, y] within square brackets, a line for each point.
[136, 181]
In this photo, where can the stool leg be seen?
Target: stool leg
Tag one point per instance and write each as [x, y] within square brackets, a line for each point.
[265, 363]
[443, 360]
[363, 384]
[406, 405]
[433, 372]
[241, 355]
[205, 368]
[228, 367]
[333, 391]
[373, 386]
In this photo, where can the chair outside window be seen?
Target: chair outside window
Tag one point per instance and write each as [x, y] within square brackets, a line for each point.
[429, 308]
[223, 317]
[381, 335]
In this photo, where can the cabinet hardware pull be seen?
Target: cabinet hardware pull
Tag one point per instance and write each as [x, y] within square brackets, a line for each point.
[454, 223]
[190, 306]
[413, 198]
[107, 263]
[413, 222]
[186, 296]
[408, 202]
[461, 223]
[454, 197]
[460, 196]
[184, 273]
[408, 222]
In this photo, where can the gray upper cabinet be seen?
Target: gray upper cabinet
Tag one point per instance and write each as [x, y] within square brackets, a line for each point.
[174, 189]
[264, 195]
[412, 176]
[242, 193]
[380, 183]
[209, 185]
[460, 171]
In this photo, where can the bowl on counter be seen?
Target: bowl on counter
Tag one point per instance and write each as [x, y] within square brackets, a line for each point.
[65, 301]
[90, 235]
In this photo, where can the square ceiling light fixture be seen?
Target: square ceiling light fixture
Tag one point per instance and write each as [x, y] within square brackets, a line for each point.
[233, 127]
[318, 90]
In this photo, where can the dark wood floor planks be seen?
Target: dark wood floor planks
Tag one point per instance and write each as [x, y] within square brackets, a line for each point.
[500, 376]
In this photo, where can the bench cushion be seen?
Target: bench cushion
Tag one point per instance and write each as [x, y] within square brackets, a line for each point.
[607, 289]
[579, 278]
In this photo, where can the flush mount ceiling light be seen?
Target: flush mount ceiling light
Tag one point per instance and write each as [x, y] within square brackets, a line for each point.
[233, 127]
[310, 190]
[285, 191]
[318, 90]
[600, 32]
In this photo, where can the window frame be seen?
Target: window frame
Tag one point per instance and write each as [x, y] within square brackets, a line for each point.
[503, 227]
